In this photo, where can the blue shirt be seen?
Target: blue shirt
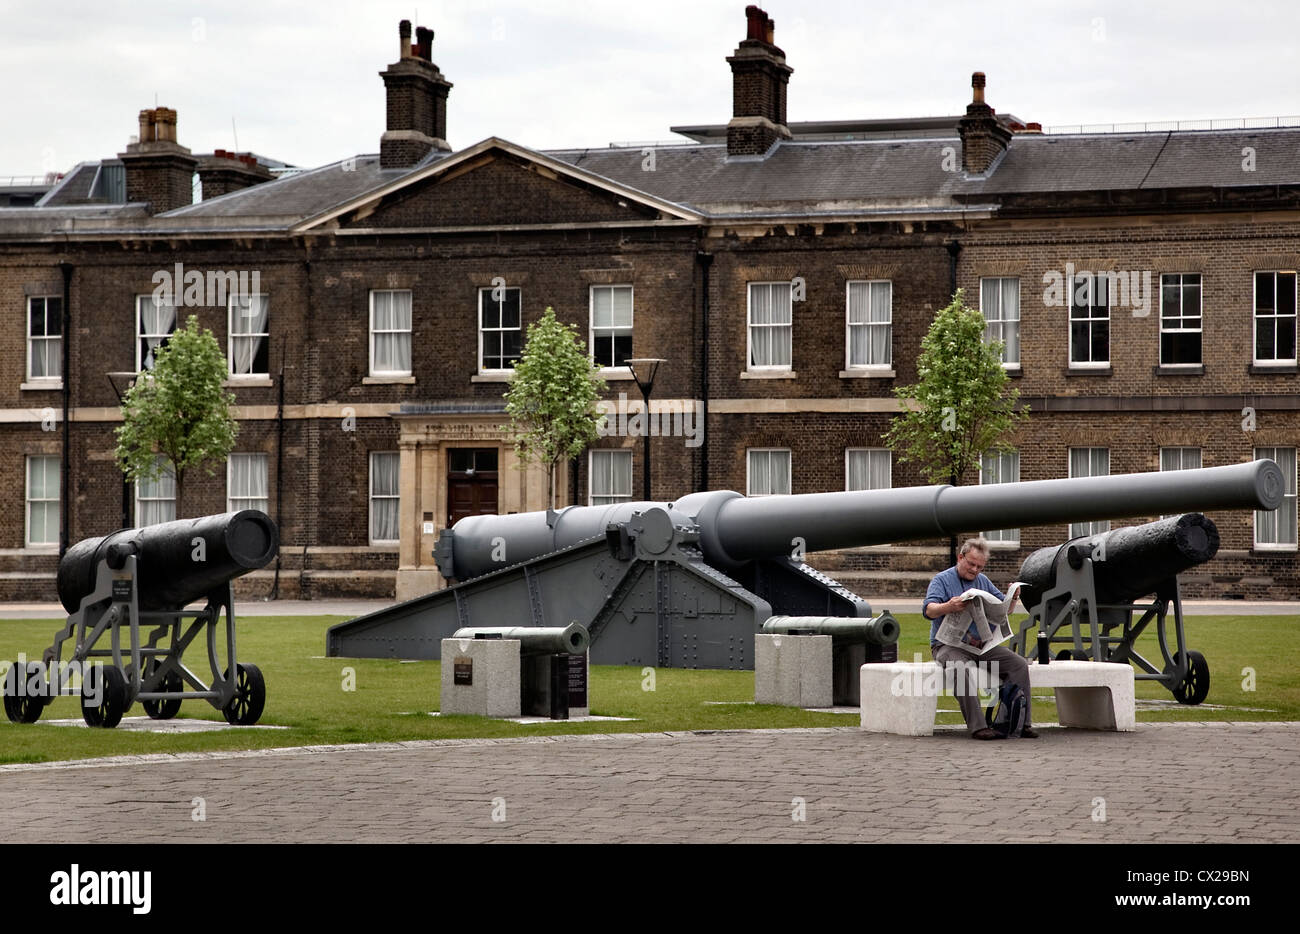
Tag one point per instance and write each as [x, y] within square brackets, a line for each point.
[948, 584]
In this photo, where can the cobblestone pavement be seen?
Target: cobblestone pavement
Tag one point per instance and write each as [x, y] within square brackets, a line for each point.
[1185, 783]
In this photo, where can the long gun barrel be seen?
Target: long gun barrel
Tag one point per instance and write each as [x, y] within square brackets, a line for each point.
[734, 529]
[179, 562]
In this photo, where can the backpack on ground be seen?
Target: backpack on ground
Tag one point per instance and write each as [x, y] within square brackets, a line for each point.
[1007, 715]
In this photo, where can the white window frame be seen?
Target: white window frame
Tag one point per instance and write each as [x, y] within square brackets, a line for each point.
[1006, 466]
[750, 366]
[1092, 281]
[612, 454]
[1183, 315]
[873, 454]
[155, 499]
[849, 324]
[44, 501]
[141, 334]
[374, 370]
[610, 368]
[374, 497]
[56, 360]
[1078, 529]
[1289, 493]
[750, 452]
[233, 502]
[232, 335]
[487, 290]
[996, 318]
[1274, 316]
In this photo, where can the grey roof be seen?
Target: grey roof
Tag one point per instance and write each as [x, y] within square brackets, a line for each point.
[798, 177]
[73, 188]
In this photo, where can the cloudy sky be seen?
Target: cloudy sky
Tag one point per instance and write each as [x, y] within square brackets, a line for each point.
[298, 81]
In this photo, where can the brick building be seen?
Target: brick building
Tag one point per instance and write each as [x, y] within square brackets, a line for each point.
[1144, 283]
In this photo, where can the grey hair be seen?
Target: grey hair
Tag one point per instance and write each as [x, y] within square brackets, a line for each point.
[978, 543]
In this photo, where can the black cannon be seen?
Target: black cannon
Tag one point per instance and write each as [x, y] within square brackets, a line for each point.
[1090, 587]
[687, 584]
[144, 578]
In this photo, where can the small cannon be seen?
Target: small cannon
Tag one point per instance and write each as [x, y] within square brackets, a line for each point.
[548, 679]
[854, 642]
[1096, 581]
[687, 584]
[144, 578]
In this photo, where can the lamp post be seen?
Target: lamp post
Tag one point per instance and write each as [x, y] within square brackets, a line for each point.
[643, 371]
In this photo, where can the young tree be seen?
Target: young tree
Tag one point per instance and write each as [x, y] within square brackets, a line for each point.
[961, 406]
[178, 413]
[552, 397]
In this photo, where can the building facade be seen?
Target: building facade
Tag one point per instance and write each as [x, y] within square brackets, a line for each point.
[1144, 286]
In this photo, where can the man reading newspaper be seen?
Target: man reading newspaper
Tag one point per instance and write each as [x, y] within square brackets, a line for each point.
[980, 641]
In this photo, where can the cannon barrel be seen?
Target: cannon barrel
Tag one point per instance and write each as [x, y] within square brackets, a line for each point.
[177, 562]
[572, 639]
[1128, 562]
[735, 529]
[879, 630]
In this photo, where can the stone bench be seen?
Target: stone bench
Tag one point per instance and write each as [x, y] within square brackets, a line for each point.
[903, 697]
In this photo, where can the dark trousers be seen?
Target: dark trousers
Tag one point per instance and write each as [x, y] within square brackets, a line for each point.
[1010, 667]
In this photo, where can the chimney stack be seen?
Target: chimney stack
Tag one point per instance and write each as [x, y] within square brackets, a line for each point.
[417, 102]
[159, 170]
[983, 138]
[224, 172]
[759, 76]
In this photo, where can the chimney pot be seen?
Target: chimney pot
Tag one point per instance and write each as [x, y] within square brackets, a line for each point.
[424, 41]
[755, 26]
[769, 31]
[977, 82]
[403, 39]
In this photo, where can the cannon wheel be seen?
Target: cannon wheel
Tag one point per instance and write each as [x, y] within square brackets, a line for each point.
[21, 707]
[113, 699]
[245, 708]
[1195, 685]
[165, 709]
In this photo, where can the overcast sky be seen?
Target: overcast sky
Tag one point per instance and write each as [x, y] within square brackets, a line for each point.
[298, 81]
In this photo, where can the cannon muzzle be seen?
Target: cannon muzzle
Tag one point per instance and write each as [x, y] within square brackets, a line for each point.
[572, 639]
[177, 562]
[879, 630]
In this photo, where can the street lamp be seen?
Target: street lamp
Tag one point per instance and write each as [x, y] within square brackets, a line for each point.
[643, 371]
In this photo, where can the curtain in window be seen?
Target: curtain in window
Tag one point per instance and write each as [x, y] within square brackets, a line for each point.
[157, 321]
[611, 477]
[868, 470]
[156, 500]
[248, 482]
[384, 496]
[771, 316]
[1278, 527]
[392, 328]
[1011, 319]
[248, 329]
[870, 329]
[769, 472]
[42, 500]
[1089, 462]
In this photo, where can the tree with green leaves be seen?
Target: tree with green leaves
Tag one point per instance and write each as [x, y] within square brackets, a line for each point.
[961, 406]
[177, 415]
[552, 397]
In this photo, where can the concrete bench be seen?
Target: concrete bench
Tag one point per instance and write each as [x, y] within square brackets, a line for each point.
[903, 697]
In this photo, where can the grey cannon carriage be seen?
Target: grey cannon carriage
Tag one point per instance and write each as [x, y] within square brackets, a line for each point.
[126, 595]
[687, 584]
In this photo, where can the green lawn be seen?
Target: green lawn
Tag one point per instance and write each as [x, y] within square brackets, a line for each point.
[392, 699]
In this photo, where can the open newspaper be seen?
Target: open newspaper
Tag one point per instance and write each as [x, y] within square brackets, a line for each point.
[987, 612]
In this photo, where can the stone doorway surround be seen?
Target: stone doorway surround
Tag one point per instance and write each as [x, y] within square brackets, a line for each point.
[427, 432]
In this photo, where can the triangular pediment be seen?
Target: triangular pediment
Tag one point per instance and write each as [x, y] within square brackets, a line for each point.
[496, 184]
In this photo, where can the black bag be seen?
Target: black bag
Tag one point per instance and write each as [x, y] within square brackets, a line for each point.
[1008, 714]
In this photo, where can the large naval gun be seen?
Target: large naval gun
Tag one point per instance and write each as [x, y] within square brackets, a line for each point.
[686, 584]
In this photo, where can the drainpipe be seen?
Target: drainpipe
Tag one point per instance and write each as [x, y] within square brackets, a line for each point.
[705, 260]
[64, 485]
[954, 250]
